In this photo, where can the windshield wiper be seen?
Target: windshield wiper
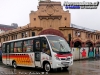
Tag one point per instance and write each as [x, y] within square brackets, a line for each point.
[61, 45]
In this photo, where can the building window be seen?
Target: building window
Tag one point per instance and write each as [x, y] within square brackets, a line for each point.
[25, 34]
[12, 37]
[6, 38]
[77, 33]
[34, 19]
[16, 36]
[96, 36]
[65, 18]
[91, 36]
[88, 35]
[22, 35]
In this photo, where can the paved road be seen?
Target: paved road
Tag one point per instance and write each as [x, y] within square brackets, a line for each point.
[79, 68]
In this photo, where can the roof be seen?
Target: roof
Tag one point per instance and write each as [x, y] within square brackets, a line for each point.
[30, 37]
[83, 28]
[2, 25]
[6, 27]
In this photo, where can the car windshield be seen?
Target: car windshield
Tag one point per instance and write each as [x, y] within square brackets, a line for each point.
[58, 44]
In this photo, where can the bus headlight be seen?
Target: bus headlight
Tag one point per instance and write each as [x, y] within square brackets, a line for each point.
[71, 57]
[57, 57]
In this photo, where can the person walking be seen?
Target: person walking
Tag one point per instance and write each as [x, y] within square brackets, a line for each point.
[97, 53]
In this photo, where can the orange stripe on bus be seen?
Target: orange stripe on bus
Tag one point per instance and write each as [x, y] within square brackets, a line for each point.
[21, 59]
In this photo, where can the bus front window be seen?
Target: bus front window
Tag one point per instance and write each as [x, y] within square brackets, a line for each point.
[58, 44]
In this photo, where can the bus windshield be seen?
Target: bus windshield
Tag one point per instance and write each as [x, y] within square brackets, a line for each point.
[58, 44]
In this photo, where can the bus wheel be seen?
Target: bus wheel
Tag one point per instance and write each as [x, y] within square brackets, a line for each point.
[65, 68]
[14, 65]
[47, 67]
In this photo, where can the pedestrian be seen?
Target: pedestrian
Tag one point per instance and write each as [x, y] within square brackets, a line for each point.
[97, 53]
[91, 53]
[83, 53]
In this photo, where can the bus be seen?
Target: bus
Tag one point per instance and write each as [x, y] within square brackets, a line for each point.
[41, 51]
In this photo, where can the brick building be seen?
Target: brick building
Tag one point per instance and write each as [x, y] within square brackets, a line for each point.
[50, 18]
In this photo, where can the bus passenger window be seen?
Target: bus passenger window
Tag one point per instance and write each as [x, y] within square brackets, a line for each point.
[28, 46]
[8, 48]
[24, 46]
[3, 48]
[18, 46]
[11, 48]
[19, 49]
[15, 49]
[37, 45]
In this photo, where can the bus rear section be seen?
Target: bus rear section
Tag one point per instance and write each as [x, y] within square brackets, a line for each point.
[44, 51]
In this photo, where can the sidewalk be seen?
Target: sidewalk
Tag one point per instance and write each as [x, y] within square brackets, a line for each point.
[87, 59]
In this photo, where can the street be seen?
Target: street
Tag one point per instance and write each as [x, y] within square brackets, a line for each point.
[85, 67]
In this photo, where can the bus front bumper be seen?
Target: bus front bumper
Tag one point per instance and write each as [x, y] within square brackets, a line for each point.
[60, 64]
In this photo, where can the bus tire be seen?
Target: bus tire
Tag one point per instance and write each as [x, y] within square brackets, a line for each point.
[14, 65]
[47, 67]
[65, 68]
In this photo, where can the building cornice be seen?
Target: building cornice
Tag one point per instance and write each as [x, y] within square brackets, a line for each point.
[20, 30]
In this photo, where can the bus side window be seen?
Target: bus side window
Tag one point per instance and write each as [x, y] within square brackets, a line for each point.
[24, 46]
[7, 48]
[45, 47]
[11, 50]
[28, 46]
[3, 48]
[18, 46]
[15, 49]
[37, 45]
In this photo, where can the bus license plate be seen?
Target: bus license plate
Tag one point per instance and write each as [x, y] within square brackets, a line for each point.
[65, 63]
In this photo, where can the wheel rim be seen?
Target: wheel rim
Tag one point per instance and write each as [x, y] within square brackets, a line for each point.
[14, 64]
[47, 67]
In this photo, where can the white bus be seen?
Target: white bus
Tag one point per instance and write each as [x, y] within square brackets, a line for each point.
[42, 51]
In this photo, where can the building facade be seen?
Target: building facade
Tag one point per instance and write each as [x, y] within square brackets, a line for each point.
[50, 18]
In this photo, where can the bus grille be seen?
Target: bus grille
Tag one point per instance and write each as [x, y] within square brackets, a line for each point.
[67, 59]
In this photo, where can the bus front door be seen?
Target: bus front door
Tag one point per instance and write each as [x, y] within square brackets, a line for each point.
[7, 54]
[37, 52]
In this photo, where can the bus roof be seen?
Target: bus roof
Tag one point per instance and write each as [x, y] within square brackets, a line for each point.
[30, 38]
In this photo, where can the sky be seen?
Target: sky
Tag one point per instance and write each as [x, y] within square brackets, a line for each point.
[17, 11]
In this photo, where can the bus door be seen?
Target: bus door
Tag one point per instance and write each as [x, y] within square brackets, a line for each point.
[7, 53]
[37, 52]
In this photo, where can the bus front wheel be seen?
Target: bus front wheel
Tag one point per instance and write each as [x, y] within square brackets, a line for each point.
[14, 65]
[47, 67]
[65, 68]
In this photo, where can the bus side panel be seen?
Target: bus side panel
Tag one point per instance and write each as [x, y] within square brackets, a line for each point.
[4, 58]
[45, 57]
[23, 59]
